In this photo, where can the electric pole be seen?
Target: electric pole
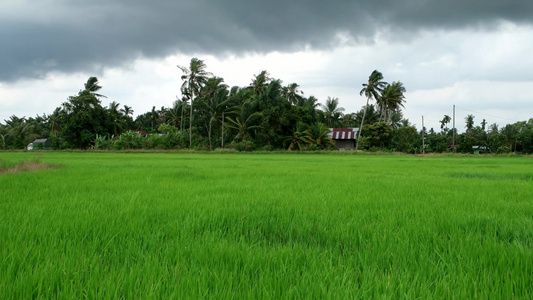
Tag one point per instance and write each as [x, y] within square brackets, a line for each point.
[423, 138]
[453, 134]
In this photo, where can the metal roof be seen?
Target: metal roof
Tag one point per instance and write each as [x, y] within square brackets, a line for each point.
[343, 133]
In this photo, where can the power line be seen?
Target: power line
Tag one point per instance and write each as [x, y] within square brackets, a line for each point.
[485, 114]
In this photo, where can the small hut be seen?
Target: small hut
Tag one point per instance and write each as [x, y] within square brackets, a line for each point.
[44, 144]
[344, 138]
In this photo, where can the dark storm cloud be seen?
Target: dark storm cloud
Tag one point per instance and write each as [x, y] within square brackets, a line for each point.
[72, 36]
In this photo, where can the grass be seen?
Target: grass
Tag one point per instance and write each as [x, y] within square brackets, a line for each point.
[32, 165]
[127, 225]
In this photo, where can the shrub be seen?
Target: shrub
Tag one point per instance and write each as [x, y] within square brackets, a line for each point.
[245, 146]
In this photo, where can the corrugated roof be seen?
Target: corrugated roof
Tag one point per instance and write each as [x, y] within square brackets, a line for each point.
[343, 133]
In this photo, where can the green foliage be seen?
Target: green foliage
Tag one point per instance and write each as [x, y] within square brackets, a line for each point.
[254, 226]
[404, 139]
[377, 135]
[244, 146]
[439, 143]
[300, 138]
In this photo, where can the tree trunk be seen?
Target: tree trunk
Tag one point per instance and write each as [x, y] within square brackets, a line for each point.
[209, 134]
[361, 127]
[190, 122]
[181, 121]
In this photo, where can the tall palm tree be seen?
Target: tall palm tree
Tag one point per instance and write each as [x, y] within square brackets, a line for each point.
[469, 120]
[54, 121]
[444, 122]
[127, 110]
[216, 103]
[193, 78]
[332, 110]
[292, 93]
[116, 117]
[310, 103]
[372, 90]
[92, 87]
[391, 99]
[259, 82]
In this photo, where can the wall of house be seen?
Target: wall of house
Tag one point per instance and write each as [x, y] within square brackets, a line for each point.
[345, 144]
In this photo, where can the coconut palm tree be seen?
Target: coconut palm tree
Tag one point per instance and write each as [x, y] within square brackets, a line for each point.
[92, 87]
[259, 82]
[293, 94]
[193, 78]
[444, 122]
[469, 120]
[372, 90]
[391, 99]
[215, 103]
[319, 134]
[243, 124]
[299, 138]
[332, 110]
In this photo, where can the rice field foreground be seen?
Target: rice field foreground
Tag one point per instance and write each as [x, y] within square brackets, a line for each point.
[110, 225]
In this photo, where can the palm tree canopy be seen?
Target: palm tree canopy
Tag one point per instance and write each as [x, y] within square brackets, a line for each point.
[374, 86]
[331, 106]
[292, 93]
[195, 76]
[92, 86]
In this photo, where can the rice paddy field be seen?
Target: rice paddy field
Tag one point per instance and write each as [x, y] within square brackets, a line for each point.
[138, 225]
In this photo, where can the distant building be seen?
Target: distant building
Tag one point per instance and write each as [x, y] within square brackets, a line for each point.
[45, 144]
[480, 149]
[140, 132]
[344, 138]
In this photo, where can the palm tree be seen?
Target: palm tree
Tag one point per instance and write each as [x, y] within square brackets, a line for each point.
[116, 117]
[319, 134]
[173, 114]
[444, 122]
[127, 110]
[371, 90]
[391, 99]
[259, 82]
[310, 103]
[332, 110]
[469, 123]
[243, 124]
[193, 78]
[299, 138]
[92, 87]
[292, 93]
[216, 103]
[55, 126]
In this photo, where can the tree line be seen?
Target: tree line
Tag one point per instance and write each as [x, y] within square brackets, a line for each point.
[263, 115]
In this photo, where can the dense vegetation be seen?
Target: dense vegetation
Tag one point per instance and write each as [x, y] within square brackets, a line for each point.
[115, 225]
[265, 115]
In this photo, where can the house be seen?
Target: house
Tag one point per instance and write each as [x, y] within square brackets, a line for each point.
[344, 138]
[140, 132]
[45, 144]
[479, 149]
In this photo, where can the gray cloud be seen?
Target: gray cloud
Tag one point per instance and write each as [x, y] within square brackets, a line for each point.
[71, 36]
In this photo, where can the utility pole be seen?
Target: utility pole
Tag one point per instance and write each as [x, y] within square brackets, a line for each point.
[423, 138]
[453, 135]
[222, 130]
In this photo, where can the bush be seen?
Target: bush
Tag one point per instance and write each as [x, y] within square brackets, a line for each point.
[245, 146]
[267, 148]
[502, 150]
[313, 147]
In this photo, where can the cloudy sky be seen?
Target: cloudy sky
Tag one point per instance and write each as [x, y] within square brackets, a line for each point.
[476, 54]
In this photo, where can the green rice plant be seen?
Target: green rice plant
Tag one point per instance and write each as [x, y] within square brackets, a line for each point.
[137, 225]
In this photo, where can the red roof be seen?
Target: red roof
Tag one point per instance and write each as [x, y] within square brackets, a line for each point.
[344, 133]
